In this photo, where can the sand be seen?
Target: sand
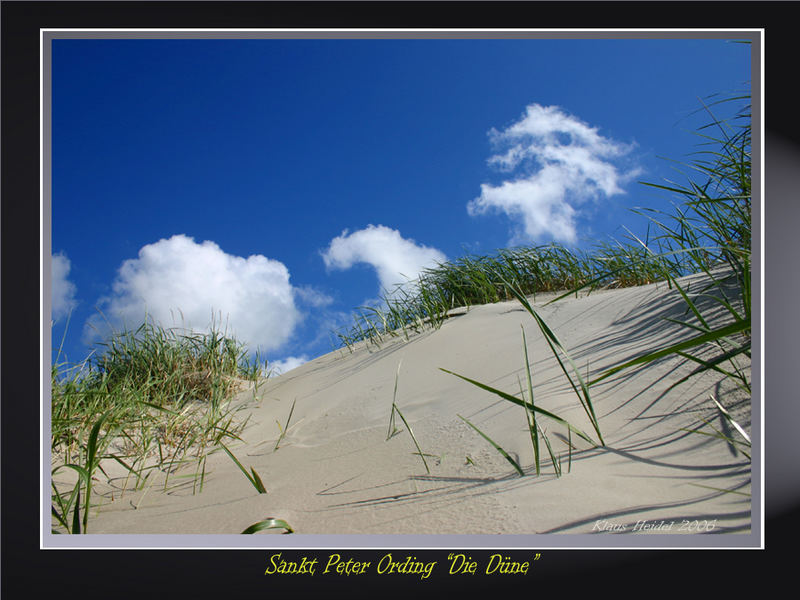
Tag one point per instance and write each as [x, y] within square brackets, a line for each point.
[335, 472]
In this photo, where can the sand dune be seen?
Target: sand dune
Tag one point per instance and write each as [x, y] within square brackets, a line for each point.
[335, 472]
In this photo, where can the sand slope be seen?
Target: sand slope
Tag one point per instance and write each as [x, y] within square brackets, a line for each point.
[336, 473]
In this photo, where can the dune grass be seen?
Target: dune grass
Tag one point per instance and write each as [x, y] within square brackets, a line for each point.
[64, 505]
[164, 396]
[476, 280]
[742, 445]
[709, 233]
[269, 523]
[283, 429]
[496, 446]
[253, 477]
[393, 430]
[531, 410]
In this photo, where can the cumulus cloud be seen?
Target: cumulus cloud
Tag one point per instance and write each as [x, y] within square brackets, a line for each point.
[63, 290]
[285, 365]
[555, 163]
[395, 259]
[178, 282]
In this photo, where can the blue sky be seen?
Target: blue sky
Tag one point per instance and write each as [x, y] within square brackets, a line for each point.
[279, 184]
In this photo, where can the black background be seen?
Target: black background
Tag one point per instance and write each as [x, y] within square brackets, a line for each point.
[26, 570]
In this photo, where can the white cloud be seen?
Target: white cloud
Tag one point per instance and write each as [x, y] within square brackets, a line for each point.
[312, 297]
[560, 163]
[63, 290]
[395, 259]
[178, 282]
[285, 365]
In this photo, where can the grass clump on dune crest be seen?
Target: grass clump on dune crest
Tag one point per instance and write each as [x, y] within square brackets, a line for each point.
[709, 233]
[475, 280]
[164, 399]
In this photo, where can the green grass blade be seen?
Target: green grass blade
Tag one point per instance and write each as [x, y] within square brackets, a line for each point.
[729, 418]
[160, 408]
[505, 454]
[92, 461]
[735, 444]
[257, 482]
[555, 346]
[413, 437]
[530, 415]
[59, 517]
[284, 429]
[556, 464]
[713, 365]
[253, 479]
[527, 405]
[76, 515]
[269, 523]
[711, 336]
[392, 428]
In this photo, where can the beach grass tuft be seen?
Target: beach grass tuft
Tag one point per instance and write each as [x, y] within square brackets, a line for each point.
[93, 454]
[164, 396]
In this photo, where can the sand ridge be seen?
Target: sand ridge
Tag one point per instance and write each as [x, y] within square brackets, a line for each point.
[335, 472]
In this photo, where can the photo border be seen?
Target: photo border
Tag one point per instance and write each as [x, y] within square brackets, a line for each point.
[132, 573]
[754, 539]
